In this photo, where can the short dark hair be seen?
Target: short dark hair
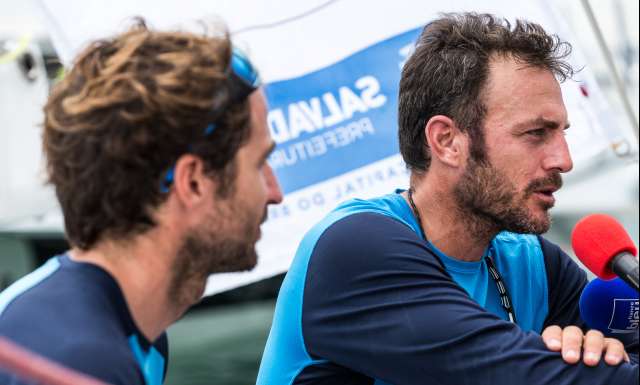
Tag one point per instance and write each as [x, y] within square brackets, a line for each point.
[449, 68]
[127, 110]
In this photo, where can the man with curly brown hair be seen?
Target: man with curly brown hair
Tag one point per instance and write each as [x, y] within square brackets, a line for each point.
[156, 144]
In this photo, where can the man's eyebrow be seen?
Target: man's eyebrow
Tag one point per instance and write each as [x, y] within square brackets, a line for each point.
[540, 122]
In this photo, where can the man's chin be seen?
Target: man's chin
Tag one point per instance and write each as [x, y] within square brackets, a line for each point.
[541, 227]
[247, 263]
[529, 221]
[251, 263]
[539, 223]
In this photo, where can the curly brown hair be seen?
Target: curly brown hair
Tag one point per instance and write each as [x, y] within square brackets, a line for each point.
[449, 68]
[126, 111]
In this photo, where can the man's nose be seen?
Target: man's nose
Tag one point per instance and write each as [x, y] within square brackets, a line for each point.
[274, 192]
[559, 158]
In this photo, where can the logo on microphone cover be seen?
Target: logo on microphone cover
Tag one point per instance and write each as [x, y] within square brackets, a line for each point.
[625, 315]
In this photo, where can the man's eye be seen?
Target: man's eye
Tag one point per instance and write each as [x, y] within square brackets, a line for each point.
[538, 132]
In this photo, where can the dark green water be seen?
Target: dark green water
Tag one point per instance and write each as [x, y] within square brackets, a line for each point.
[219, 346]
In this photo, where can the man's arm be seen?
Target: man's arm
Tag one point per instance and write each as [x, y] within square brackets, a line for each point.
[566, 281]
[377, 301]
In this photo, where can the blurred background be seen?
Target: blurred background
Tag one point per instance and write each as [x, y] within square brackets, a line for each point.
[221, 340]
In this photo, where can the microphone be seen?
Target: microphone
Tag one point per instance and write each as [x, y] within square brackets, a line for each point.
[610, 306]
[605, 248]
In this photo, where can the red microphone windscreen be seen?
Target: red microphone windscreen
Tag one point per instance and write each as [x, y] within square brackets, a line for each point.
[596, 239]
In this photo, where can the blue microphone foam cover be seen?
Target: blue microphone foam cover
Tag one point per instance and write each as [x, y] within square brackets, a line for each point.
[610, 306]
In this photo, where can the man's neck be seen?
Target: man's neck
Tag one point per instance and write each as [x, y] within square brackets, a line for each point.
[142, 269]
[456, 233]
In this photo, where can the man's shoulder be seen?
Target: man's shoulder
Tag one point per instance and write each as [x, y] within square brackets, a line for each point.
[74, 315]
[356, 226]
[392, 205]
[58, 292]
[357, 229]
[56, 311]
[367, 242]
[366, 215]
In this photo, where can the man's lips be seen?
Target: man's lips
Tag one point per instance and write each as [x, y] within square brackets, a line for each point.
[549, 190]
[546, 195]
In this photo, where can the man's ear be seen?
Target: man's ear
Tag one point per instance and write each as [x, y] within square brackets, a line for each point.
[191, 184]
[447, 143]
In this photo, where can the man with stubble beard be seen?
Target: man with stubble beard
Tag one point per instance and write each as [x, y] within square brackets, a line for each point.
[450, 282]
[156, 144]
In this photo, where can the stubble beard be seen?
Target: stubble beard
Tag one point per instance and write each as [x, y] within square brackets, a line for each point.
[489, 202]
[217, 246]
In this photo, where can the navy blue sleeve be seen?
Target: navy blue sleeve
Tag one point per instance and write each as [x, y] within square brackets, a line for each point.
[377, 301]
[566, 281]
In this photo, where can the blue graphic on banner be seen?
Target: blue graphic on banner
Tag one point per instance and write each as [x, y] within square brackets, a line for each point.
[339, 118]
[625, 316]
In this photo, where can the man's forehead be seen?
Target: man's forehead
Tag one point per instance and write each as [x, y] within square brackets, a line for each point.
[258, 102]
[506, 72]
[259, 127]
[510, 81]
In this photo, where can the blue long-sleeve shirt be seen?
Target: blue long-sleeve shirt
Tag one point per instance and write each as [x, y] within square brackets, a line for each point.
[368, 301]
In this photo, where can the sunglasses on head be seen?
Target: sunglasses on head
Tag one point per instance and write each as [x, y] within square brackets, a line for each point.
[242, 80]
